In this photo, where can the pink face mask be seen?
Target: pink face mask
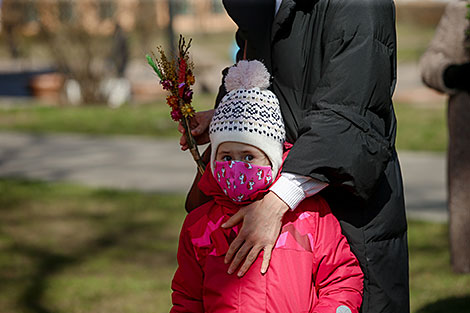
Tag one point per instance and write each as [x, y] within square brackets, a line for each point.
[239, 180]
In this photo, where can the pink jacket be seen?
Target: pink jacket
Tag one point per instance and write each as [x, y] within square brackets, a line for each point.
[312, 268]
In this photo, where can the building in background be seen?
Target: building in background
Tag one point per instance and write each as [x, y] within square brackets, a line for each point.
[100, 16]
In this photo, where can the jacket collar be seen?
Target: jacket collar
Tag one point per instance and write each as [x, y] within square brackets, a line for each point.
[282, 16]
[285, 14]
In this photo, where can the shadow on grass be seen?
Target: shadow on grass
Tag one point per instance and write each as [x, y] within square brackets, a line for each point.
[48, 264]
[453, 305]
[46, 230]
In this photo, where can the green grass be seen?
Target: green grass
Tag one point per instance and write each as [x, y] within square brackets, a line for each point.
[412, 41]
[434, 287]
[148, 119]
[66, 248]
[421, 128]
[73, 249]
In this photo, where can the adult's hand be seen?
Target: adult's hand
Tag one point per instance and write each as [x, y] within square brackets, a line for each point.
[261, 227]
[199, 125]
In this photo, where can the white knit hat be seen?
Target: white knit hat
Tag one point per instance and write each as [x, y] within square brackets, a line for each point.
[249, 113]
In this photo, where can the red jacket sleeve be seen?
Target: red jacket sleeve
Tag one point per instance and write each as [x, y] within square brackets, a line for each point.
[187, 282]
[338, 277]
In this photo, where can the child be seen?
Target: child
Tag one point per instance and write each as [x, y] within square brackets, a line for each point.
[312, 268]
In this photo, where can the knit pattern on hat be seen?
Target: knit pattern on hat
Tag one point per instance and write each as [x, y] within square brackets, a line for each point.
[249, 114]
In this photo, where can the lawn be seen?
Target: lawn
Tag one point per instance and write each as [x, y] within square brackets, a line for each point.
[412, 40]
[419, 128]
[149, 119]
[434, 287]
[66, 248]
[73, 249]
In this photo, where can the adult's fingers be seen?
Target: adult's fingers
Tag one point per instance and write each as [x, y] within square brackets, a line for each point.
[249, 260]
[198, 130]
[239, 257]
[180, 128]
[234, 246]
[183, 143]
[266, 258]
[201, 122]
[235, 219]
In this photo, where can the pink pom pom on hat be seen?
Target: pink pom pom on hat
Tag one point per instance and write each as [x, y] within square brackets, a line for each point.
[249, 113]
[247, 75]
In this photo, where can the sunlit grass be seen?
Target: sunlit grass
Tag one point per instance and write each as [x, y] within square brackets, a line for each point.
[151, 119]
[421, 128]
[412, 40]
[434, 287]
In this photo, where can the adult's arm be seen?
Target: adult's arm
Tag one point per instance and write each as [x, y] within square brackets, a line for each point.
[293, 188]
[347, 132]
[444, 48]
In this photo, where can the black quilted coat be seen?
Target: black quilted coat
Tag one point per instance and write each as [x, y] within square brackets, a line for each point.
[333, 64]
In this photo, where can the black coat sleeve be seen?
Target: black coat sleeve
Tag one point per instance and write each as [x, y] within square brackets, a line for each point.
[347, 131]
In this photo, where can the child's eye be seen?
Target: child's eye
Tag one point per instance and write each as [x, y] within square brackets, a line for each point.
[249, 158]
[227, 158]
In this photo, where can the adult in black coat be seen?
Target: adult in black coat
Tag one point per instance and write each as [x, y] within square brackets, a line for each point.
[333, 64]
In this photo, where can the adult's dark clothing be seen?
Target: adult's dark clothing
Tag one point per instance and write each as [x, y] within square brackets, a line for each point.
[333, 64]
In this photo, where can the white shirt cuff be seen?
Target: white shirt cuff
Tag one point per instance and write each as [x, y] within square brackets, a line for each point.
[293, 188]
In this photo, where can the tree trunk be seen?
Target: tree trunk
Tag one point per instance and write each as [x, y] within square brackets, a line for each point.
[459, 181]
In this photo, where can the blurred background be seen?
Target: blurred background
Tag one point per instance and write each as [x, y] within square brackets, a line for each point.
[92, 181]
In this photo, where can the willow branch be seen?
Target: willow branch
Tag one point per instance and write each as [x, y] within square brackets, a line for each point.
[193, 146]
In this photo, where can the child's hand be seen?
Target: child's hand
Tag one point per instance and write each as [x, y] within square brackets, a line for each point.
[199, 128]
[261, 227]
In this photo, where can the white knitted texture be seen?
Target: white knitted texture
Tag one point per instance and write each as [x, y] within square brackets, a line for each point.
[247, 75]
[253, 117]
